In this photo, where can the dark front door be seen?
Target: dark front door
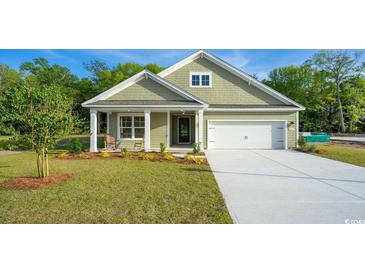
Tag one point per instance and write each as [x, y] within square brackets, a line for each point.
[184, 130]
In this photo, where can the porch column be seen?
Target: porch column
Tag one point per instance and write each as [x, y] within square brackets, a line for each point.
[168, 129]
[108, 123]
[196, 127]
[201, 127]
[147, 130]
[93, 130]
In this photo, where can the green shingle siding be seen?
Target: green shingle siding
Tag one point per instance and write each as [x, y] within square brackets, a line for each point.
[226, 87]
[146, 89]
[158, 129]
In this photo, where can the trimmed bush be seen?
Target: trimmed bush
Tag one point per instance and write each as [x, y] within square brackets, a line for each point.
[148, 156]
[105, 154]
[162, 147]
[196, 147]
[75, 146]
[168, 156]
[125, 154]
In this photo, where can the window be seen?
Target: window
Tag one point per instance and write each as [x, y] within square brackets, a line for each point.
[201, 79]
[205, 80]
[131, 127]
[195, 80]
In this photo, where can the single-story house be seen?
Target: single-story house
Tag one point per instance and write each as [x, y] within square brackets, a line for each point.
[201, 99]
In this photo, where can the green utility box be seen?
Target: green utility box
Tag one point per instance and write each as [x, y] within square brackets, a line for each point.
[317, 137]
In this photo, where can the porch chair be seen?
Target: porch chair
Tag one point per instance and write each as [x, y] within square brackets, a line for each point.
[139, 145]
[110, 142]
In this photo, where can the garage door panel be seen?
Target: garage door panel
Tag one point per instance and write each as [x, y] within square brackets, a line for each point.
[246, 134]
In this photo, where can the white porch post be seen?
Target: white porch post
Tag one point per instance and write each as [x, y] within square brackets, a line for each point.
[147, 130]
[168, 130]
[93, 130]
[108, 123]
[196, 127]
[201, 127]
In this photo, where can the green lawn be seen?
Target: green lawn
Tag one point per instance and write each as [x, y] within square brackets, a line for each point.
[113, 191]
[344, 154]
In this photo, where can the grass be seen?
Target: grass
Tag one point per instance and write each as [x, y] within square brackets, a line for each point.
[344, 154]
[113, 191]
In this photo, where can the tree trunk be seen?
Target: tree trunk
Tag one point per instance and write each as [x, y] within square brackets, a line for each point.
[39, 164]
[47, 166]
[342, 121]
[43, 164]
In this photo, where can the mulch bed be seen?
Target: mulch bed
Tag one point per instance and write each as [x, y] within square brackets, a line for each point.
[157, 157]
[31, 182]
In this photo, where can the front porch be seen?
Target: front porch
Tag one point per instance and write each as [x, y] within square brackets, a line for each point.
[179, 129]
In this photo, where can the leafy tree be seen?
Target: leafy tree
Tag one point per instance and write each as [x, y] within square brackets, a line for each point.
[49, 74]
[338, 66]
[8, 78]
[44, 114]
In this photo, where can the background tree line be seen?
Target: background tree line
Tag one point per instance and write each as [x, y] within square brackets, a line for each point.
[331, 85]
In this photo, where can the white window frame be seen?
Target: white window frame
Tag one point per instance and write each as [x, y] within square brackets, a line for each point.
[200, 79]
[120, 115]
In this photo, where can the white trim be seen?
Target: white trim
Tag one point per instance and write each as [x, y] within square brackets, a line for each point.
[200, 73]
[297, 127]
[253, 109]
[178, 129]
[231, 69]
[144, 106]
[168, 129]
[119, 127]
[134, 79]
[201, 127]
[286, 134]
[196, 127]
[93, 130]
[147, 130]
[108, 122]
[240, 120]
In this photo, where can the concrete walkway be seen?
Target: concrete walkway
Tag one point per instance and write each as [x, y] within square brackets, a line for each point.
[349, 139]
[277, 186]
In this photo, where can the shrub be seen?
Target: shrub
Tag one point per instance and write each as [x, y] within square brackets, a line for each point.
[148, 156]
[125, 154]
[75, 146]
[168, 156]
[301, 141]
[196, 147]
[188, 158]
[162, 147]
[140, 154]
[198, 161]
[309, 148]
[105, 154]
[63, 155]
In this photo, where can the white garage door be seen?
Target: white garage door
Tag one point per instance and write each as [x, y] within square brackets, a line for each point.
[246, 134]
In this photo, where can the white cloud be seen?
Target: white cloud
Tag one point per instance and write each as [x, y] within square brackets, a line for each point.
[236, 58]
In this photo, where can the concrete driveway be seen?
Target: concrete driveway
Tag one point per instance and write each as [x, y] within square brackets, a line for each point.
[278, 186]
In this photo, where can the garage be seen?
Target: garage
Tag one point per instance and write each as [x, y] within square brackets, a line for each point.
[238, 134]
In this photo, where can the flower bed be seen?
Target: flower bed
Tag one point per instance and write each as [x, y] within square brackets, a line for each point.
[148, 156]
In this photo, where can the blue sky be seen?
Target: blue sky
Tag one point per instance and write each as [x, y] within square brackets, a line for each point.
[251, 61]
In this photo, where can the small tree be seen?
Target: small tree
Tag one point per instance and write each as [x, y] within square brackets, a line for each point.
[44, 115]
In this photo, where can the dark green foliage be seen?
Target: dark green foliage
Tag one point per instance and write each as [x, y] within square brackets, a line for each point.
[196, 147]
[162, 147]
[301, 141]
[75, 146]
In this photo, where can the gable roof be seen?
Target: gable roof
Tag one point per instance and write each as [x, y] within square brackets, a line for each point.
[233, 70]
[145, 74]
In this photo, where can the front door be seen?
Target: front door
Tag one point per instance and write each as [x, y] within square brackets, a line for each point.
[184, 130]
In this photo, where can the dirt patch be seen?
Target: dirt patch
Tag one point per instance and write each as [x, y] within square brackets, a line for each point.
[149, 156]
[35, 182]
